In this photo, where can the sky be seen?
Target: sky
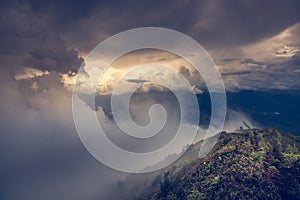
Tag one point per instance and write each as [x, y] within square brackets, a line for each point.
[255, 45]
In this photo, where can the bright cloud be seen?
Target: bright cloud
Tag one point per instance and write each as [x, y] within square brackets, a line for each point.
[29, 73]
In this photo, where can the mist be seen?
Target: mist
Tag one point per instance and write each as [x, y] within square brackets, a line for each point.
[43, 157]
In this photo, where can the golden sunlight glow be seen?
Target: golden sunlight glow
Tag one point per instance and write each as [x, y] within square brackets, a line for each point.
[278, 46]
[124, 64]
[29, 73]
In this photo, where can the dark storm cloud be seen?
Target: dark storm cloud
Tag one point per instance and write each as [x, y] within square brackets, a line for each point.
[241, 22]
[214, 24]
[52, 54]
[29, 39]
[82, 25]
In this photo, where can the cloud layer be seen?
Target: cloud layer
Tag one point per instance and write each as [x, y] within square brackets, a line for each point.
[255, 45]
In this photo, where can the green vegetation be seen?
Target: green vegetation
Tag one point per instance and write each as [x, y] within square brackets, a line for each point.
[215, 180]
[226, 149]
[258, 155]
[290, 159]
[195, 195]
[252, 164]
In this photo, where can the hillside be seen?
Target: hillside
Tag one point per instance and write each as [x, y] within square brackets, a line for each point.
[248, 164]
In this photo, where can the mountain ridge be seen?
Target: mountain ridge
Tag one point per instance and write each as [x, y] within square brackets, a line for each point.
[246, 164]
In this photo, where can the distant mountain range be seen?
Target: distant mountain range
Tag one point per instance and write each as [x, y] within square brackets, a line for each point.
[266, 109]
[246, 164]
[273, 109]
